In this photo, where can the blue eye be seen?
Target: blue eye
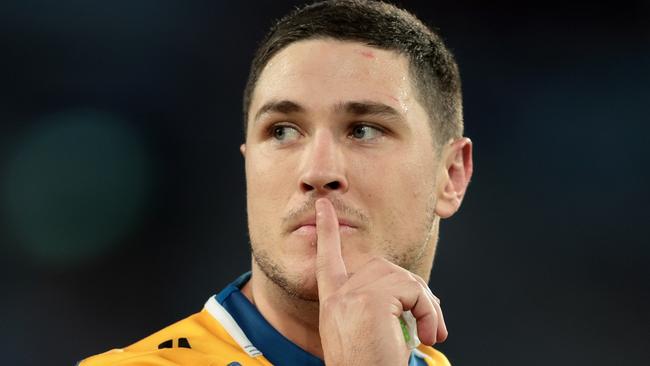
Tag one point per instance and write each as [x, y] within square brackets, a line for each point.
[284, 133]
[365, 132]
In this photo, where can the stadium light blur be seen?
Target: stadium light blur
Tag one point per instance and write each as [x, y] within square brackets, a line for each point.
[75, 186]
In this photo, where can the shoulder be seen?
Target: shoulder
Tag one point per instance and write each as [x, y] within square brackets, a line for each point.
[431, 356]
[196, 340]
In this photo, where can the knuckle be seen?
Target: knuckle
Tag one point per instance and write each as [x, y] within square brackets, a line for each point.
[359, 298]
[347, 302]
[377, 261]
[418, 278]
[417, 286]
[330, 303]
[407, 279]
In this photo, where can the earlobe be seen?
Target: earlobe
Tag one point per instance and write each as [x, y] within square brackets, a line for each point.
[242, 149]
[453, 181]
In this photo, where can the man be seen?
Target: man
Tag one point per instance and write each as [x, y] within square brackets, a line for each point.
[353, 153]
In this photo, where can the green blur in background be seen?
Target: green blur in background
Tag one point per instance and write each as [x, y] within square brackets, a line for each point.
[75, 184]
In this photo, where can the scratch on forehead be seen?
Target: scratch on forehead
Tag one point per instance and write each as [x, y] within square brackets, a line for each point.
[400, 100]
[366, 53]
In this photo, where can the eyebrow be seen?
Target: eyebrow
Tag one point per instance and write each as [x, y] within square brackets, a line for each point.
[356, 108]
[283, 106]
[368, 108]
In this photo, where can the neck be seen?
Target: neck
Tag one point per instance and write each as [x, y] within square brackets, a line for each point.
[295, 319]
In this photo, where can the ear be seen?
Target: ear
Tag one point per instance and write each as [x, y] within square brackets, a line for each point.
[242, 148]
[454, 175]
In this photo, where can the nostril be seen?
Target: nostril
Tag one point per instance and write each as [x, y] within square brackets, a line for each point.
[306, 187]
[333, 185]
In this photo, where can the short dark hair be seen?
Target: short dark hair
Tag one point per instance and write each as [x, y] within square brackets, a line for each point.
[433, 70]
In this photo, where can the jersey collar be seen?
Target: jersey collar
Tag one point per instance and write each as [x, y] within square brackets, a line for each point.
[273, 345]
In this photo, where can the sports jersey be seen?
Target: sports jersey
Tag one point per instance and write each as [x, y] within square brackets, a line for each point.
[228, 331]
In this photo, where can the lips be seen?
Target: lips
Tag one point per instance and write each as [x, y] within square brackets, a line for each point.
[308, 225]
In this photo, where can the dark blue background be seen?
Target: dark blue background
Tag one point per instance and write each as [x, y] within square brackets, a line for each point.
[122, 197]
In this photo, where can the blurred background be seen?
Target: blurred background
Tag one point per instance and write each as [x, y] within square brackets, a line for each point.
[122, 197]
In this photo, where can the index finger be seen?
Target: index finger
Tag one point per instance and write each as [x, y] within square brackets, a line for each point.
[330, 268]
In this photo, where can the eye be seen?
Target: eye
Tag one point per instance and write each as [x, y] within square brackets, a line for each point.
[283, 133]
[366, 132]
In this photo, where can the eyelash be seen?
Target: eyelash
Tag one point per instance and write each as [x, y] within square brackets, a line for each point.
[271, 130]
[379, 130]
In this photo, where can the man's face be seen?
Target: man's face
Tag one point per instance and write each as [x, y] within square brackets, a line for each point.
[338, 120]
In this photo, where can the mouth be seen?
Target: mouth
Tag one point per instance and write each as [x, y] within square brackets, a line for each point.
[310, 229]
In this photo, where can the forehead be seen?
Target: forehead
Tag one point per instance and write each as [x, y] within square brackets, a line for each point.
[325, 72]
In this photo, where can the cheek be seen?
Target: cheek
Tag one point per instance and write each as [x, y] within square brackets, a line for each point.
[269, 181]
[266, 177]
[404, 197]
[258, 188]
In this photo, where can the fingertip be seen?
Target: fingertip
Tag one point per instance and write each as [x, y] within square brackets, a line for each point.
[442, 333]
[427, 331]
[442, 336]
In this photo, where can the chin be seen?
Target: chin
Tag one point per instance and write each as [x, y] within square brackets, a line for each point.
[299, 284]
[296, 276]
[308, 290]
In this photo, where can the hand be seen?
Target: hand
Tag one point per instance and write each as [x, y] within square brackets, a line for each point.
[358, 319]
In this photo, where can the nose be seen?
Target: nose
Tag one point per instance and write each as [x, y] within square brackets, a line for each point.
[323, 166]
